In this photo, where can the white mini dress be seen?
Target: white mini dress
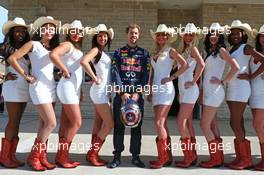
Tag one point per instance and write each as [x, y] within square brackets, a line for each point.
[69, 89]
[43, 90]
[98, 93]
[17, 90]
[213, 95]
[256, 100]
[191, 94]
[162, 94]
[239, 90]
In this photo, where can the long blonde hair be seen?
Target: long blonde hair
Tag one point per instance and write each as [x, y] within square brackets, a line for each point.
[186, 50]
[155, 48]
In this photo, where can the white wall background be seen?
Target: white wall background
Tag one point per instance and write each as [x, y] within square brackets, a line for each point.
[3, 19]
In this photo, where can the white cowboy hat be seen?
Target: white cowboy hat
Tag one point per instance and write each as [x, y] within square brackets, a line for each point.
[76, 24]
[237, 24]
[44, 20]
[217, 27]
[14, 23]
[189, 29]
[162, 28]
[102, 28]
[255, 32]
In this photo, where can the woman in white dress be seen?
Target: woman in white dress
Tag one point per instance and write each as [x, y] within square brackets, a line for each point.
[67, 58]
[189, 92]
[256, 100]
[42, 85]
[15, 89]
[98, 91]
[239, 90]
[213, 90]
[163, 92]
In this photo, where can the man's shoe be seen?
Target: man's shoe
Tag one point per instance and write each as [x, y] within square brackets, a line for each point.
[137, 162]
[115, 163]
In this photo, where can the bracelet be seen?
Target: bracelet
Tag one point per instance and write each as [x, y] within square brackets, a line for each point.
[173, 77]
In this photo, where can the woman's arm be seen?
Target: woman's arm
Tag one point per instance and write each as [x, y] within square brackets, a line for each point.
[200, 64]
[258, 57]
[180, 60]
[55, 57]
[19, 54]
[86, 66]
[2, 76]
[232, 63]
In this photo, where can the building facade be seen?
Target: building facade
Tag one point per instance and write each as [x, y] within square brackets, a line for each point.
[147, 13]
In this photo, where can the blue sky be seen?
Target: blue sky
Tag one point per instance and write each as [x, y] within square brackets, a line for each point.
[4, 18]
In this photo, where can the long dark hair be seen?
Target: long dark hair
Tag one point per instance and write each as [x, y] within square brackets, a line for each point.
[208, 45]
[54, 42]
[77, 45]
[95, 44]
[7, 48]
[258, 45]
[244, 38]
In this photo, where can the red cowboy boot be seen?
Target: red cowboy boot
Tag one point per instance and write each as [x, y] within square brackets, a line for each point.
[237, 159]
[100, 160]
[76, 163]
[13, 158]
[169, 150]
[245, 161]
[189, 156]
[62, 156]
[260, 165]
[163, 157]
[221, 148]
[193, 143]
[92, 155]
[215, 155]
[5, 156]
[43, 159]
[33, 159]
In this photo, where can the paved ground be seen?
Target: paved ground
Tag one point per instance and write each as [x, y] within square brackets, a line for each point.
[81, 142]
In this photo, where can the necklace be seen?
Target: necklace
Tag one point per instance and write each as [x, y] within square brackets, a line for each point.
[44, 45]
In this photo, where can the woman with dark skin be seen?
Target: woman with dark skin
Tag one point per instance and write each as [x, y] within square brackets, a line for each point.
[15, 90]
[238, 91]
[42, 80]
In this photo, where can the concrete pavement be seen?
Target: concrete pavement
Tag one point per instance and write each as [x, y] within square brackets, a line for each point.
[81, 143]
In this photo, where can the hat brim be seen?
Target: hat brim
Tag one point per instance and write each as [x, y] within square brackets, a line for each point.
[172, 37]
[66, 27]
[93, 32]
[255, 33]
[43, 20]
[242, 27]
[10, 24]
